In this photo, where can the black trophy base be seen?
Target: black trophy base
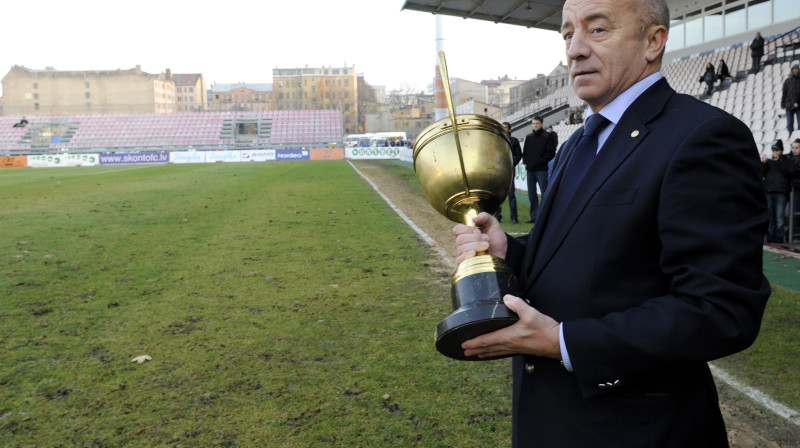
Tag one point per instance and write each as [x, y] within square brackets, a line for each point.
[479, 309]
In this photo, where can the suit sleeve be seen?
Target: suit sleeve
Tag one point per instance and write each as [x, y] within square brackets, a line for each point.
[711, 218]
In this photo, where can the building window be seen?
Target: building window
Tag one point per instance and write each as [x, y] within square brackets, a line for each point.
[88, 105]
[714, 26]
[786, 9]
[759, 14]
[36, 85]
[36, 106]
[735, 20]
[36, 96]
[191, 90]
[87, 84]
[87, 95]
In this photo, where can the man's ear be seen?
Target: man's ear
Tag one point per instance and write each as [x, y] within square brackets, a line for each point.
[656, 41]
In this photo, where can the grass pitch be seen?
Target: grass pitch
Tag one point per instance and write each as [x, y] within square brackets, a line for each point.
[283, 304]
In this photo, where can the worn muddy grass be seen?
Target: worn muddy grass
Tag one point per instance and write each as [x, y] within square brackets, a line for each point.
[283, 304]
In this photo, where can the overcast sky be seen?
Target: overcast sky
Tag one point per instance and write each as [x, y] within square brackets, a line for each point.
[242, 41]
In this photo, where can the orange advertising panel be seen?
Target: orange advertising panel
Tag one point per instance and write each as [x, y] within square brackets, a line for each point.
[326, 154]
[13, 161]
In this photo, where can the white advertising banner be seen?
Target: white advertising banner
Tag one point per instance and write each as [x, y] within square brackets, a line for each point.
[260, 155]
[187, 157]
[407, 154]
[55, 160]
[391, 152]
[222, 156]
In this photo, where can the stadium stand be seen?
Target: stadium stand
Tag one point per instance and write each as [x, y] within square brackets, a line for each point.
[158, 132]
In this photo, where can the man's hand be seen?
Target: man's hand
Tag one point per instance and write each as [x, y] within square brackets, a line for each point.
[534, 334]
[470, 240]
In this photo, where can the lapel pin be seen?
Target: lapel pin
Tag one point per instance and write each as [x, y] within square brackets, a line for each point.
[635, 133]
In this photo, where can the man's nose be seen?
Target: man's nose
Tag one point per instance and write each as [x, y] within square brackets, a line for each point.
[578, 46]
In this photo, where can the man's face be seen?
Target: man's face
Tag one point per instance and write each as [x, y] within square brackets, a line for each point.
[776, 154]
[794, 71]
[604, 55]
[796, 149]
[507, 128]
[536, 125]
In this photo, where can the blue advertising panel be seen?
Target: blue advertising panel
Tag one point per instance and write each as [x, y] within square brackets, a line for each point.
[292, 154]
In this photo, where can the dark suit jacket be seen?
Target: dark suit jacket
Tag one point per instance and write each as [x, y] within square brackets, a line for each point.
[516, 152]
[654, 269]
[538, 149]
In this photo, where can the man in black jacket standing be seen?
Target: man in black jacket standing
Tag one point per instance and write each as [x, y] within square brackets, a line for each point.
[539, 148]
[777, 173]
[756, 52]
[516, 154]
[790, 99]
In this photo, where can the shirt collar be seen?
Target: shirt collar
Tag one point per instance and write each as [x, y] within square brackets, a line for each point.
[613, 111]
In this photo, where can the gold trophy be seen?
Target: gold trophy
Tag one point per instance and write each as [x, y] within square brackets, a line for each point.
[464, 165]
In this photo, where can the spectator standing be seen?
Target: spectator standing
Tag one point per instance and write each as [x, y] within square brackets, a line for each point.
[794, 156]
[790, 100]
[516, 154]
[756, 52]
[553, 133]
[709, 78]
[777, 171]
[539, 148]
[722, 71]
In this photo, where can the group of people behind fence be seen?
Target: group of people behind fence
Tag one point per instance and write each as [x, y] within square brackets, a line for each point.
[781, 177]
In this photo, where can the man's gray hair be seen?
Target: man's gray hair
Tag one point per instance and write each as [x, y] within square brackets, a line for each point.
[652, 12]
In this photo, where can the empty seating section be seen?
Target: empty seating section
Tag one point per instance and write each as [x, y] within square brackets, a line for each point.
[10, 137]
[201, 130]
[753, 98]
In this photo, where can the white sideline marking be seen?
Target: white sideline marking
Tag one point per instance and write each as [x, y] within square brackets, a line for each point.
[444, 255]
[756, 395]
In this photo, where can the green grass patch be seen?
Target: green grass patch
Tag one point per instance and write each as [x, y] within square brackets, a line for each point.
[771, 363]
[283, 304]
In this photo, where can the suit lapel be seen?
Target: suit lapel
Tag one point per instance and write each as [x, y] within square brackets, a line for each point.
[624, 139]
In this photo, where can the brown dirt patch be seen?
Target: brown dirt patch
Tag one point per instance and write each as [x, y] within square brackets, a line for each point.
[749, 425]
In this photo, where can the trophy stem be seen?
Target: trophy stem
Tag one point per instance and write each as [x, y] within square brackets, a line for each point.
[469, 217]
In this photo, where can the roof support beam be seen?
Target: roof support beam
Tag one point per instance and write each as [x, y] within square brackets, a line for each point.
[476, 8]
[515, 9]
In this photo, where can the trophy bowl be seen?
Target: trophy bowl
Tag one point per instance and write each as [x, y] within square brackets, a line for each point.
[465, 168]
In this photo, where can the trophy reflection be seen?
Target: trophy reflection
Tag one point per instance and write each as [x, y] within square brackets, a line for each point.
[464, 165]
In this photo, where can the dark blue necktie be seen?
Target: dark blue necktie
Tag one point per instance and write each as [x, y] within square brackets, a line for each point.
[577, 165]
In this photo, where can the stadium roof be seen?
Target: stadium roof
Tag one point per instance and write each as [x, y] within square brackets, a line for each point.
[544, 14]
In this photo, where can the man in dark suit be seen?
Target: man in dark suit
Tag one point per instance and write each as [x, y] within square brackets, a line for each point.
[648, 270]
